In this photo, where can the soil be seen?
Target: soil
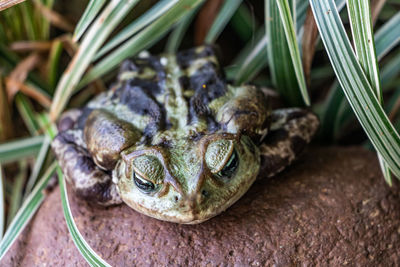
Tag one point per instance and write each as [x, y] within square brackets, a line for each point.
[332, 207]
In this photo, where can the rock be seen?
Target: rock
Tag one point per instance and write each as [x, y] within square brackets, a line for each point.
[332, 207]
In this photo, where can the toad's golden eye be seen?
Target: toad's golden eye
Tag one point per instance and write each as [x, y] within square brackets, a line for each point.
[222, 158]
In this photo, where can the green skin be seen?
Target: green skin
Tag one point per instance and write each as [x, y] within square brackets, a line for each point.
[189, 172]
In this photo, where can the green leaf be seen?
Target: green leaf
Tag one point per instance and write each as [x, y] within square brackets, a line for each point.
[287, 22]
[355, 84]
[39, 163]
[243, 22]
[87, 252]
[388, 36]
[91, 11]
[27, 113]
[361, 27]
[336, 98]
[17, 188]
[140, 41]
[176, 36]
[155, 12]
[25, 213]
[108, 20]
[279, 59]
[16, 150]
[2, 201]
[54, 60]
[244, 53]
[222, 19]
[253, 63]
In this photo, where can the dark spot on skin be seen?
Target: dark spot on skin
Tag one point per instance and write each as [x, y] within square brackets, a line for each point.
[208, 85]
[99, 192]
[140, 101]
[185, 58]
[82, 119]
[176, 198]
[85, 164]
[297, 114]
[271, 164]
[231, 253]
[65, 138]
[184, 82]
[297, 144]
[276, 136]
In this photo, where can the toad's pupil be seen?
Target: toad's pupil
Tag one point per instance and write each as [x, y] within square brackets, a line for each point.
[230, 166]
[143, 184]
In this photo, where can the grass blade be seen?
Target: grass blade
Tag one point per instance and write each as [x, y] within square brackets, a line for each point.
[17, 188]
[224, 15]
[176, 36]
[39, 163]
[155, 12]
[385, 38]
[361, 27]
[87, 252]
[355, 84]
[9, 3]
[140, 41]
[388, 36]
[2, 200]
[25, 213]
[287, 22]
[16, 150]
[27, 113]
[279, 59]
[244, 23]
[253, 63]
[91, 11]
[113, 13]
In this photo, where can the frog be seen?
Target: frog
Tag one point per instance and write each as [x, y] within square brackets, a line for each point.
[174, 140]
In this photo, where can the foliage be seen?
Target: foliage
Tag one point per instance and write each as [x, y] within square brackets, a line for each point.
[278, 52]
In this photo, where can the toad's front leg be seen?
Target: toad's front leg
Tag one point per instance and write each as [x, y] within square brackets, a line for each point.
[290, 131]
[88, 180]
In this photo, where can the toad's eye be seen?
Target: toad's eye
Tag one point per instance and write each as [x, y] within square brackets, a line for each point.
[143, 184]
[222, 158]
[230, 166]
[148, 173]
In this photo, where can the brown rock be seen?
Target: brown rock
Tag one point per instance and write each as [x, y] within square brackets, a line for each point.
[332, 207]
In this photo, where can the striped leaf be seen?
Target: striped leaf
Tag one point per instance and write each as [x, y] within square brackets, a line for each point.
[91, 11]
[87, 252]
[288, 25]
[140, 41]
[355, 83]
[109, 19]
[25, 213]
[19, 149]
[222, 19]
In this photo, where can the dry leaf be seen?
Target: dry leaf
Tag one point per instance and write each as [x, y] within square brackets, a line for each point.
[4, 4]
[31, 92]
[54, 18]
[27, 46]
[19, 74]
[6, 130]
[308, 46]
[205, 19]
[376, 7]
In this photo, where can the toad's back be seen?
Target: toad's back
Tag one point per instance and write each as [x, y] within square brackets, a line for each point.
[167, 93]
